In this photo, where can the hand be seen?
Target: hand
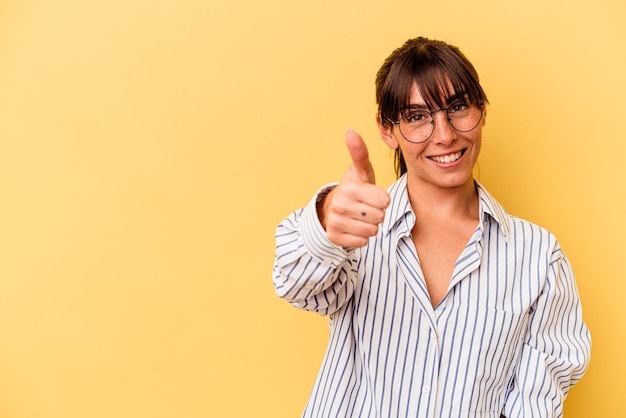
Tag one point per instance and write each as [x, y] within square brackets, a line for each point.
[352, 211]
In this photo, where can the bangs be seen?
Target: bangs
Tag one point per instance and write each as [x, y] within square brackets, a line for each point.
[438, 73]
[437, 86]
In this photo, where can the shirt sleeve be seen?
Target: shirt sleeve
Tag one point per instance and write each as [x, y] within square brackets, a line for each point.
[311, 272]
[556, 350]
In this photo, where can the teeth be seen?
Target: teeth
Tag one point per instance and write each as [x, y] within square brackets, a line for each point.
[447, 158]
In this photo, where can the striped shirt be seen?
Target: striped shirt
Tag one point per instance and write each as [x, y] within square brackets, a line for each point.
[508, 337]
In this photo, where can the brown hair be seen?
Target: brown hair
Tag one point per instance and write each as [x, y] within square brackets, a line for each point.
[433, 66]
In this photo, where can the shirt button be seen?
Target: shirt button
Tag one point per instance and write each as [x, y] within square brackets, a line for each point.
[426, 389]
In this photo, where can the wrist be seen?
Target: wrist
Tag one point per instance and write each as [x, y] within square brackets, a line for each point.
[320, 204]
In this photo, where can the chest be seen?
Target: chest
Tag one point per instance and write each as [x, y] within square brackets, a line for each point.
[399, 335]
[442, 270]
[438, 249]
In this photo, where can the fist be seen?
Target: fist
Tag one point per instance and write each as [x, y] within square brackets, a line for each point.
[352, 211]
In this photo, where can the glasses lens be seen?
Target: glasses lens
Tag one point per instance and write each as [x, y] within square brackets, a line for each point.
[416, 125]
[464, 116]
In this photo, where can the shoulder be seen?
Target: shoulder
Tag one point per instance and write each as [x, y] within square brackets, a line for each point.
[516, 230]
[522, 229]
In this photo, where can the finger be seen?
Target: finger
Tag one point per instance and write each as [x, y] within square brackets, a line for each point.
[349, 241]
[369, 214]
[361, 212]
[366, 194]
[360, 156]
[351, 234]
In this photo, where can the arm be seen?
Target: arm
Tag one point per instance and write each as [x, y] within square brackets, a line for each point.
[315, 262]
[311, 272]
[556, 349]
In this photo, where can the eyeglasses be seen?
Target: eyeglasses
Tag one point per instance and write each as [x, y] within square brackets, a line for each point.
[418, 125]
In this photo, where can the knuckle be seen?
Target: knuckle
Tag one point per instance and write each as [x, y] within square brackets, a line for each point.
[350, 188]
[359, 242]
[339, 208]
[331, 224]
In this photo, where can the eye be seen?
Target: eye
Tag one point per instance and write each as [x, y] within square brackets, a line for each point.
[459, 106]
[414, 116]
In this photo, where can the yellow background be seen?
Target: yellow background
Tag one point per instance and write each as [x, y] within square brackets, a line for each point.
[149, 148]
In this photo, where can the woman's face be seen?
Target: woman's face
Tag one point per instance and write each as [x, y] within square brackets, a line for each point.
[447, 158]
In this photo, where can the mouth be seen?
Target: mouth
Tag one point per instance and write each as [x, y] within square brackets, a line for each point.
[448, 158]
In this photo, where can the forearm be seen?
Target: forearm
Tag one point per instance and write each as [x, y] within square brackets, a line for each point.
[311, 272]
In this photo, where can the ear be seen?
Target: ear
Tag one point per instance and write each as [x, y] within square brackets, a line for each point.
[386, 133]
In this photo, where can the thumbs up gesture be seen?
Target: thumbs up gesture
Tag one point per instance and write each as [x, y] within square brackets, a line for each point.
[352, 211]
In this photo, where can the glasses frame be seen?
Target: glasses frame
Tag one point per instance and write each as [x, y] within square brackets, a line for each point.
[432, 116]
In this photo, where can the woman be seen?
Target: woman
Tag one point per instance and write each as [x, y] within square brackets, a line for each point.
[440, 304]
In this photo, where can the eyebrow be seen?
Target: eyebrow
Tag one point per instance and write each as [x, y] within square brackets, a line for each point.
[450, 99]
[416, 106]
[456, 96]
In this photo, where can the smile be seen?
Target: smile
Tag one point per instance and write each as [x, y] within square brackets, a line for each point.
[450, 158]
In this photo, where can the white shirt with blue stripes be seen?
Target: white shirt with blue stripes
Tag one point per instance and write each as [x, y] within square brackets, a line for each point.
[508, 337]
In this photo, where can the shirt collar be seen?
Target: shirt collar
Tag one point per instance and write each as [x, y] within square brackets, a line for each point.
[489, 206]
[400, 215]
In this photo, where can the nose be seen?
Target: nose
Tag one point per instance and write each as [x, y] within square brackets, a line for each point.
[443, 132]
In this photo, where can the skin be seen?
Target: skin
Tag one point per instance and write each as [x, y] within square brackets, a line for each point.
[442, 195]
[352, 211]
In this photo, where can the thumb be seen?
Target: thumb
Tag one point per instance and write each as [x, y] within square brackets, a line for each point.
[360, 157]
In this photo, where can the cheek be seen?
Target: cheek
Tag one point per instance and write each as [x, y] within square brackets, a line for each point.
[476, 146]
[414, 150]
[478, 143]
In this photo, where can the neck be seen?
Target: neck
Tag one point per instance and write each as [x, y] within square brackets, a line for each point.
[430, 201]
